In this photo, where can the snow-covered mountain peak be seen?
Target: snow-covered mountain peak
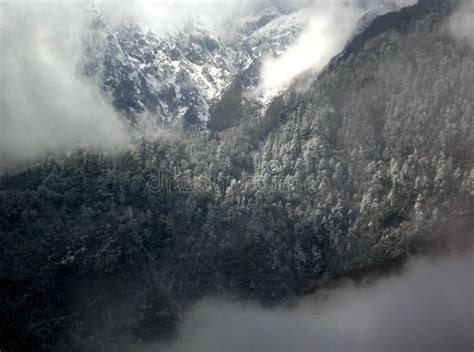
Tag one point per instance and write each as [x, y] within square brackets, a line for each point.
[177, 76]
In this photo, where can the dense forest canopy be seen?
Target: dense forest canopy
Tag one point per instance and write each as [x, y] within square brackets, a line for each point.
[373, 160]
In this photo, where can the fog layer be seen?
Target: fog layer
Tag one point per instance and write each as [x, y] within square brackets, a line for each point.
[461, 23]
[45, 105]
[428, 308]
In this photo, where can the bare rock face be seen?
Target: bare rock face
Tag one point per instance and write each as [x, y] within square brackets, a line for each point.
[180, 78]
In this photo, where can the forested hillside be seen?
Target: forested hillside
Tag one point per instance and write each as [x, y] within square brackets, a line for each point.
[370, 160]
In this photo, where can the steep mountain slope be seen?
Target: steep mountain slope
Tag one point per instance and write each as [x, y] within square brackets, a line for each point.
[177, 77]
[370, 163]
[235, 103]
[157, 80]
[389, 158]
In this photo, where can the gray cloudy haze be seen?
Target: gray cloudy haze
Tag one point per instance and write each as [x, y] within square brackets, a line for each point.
[461, 23]
[45, 104]
[430, 307]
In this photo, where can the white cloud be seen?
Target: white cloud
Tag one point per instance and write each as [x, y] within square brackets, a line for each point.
[428, 308]
[461, 23]
[45, 105]
[327, 32]
[164, 15]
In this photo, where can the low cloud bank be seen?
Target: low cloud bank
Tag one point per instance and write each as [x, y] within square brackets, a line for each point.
[428, 308]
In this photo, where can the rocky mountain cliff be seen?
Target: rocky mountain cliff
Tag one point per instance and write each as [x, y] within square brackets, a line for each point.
[178, 77]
